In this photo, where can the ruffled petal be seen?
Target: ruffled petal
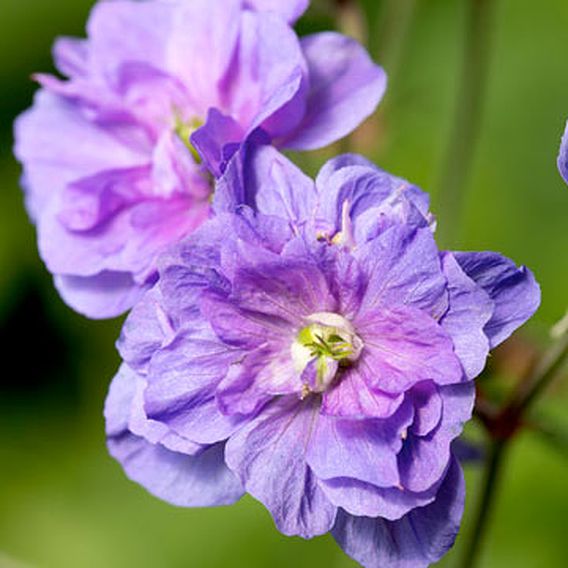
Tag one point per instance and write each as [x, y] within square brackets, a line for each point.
[104, 295]
[514, 291]
[80, 149]
[268, 455]
[253, 381]
[146, 329]
[287, 288]
[374, 199]
[353, 397]
[71, 56]
[563, 155]
[359, 449]
[424, 459]
[184, 480]
[345, 88]
[416, 540]
[366, 500]
[147, 24]
[129, 241]
[403, 347]
[469, 311]
[182, 380]
[265, 85]
[403, 268]
[217, 140]
[261, 177]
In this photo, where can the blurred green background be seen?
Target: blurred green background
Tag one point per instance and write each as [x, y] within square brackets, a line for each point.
[65, 504]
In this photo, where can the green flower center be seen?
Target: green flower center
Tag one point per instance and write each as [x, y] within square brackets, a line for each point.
[184, 130]
[331, 341]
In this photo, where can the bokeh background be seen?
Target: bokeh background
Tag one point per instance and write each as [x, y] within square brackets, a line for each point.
[65, 504]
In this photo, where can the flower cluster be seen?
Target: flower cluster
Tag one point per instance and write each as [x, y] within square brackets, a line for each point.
[303, 341]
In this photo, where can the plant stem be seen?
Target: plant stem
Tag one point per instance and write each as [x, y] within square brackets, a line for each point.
[502, 428]
[546, 371]
[489, 487]
[467, 119]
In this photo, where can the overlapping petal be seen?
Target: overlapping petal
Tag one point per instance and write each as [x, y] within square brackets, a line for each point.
[416, 540]
[562, 159]
[345, 88]
[276, 442]
[405, 346]
[148, 118]
[514, 291]
[193, 478]
[470, 309]
[403, 267]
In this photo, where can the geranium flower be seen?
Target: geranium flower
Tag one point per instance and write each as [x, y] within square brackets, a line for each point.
[318, 354]
[119, 158]
[562, 160]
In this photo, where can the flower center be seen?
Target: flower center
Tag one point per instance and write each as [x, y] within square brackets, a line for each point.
[322, 347]
[184, 130]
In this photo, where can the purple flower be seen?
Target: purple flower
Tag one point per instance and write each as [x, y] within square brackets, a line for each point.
[563, 155]
[119, 158]
[317, 354]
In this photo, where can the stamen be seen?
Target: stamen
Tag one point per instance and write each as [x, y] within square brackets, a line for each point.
[184, 130]
[345, 236]
[324, 346]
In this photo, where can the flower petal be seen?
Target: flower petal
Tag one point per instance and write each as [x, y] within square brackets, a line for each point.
[375, 199]
[147, 24]
[364, 499]
[403, 268]
[82, 149]
[352, 396]
[360, 449]
[104, 295]
[287, 288]
[185, 480]
[424, 459]
[290, 10]
[269, 457]
[182, 380]
[271, 184]
[264, 373]
[266, 81]
[217, 140]
[345, 88]
[416, 540]
[129, 240]
[405, 346]
[563, 155]
[71, 55]
[514, 291]
[469, 311]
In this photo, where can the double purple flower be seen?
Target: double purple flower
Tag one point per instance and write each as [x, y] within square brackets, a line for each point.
[310, 345]
[305, 342]
[119, 159]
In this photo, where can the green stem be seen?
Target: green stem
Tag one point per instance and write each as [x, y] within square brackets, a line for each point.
[467, 119]
[552, 362]
[490, 483]
[502, 427]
